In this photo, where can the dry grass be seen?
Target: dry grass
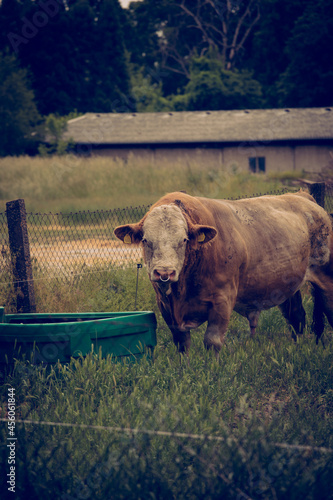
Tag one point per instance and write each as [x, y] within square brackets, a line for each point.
[69, 184]
[89, 253]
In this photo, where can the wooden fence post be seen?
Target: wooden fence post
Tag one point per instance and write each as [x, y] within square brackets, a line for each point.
[20, 255]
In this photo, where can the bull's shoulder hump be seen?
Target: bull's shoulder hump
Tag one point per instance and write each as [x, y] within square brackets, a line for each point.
[192, 206]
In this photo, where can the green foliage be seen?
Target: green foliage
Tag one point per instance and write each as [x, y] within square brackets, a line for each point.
[76, 58]
[19, 117]
[308, 79]
[287, 50]
[265, 53]
[147, 94]
[97, 289]
[216, 55]
[54, 127]
[212, 87]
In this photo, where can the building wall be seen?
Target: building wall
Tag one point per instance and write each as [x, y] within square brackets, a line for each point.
[313, 158]
[309, 158]
[209, 157]
[278, 158]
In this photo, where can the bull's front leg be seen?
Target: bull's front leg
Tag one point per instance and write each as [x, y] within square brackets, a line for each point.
[218, 320]
[182, 340]
[218, 317]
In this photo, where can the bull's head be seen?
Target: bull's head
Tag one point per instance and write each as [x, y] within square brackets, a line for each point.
[165, 235]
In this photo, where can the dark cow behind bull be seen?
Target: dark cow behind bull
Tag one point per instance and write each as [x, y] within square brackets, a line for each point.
[206, 258]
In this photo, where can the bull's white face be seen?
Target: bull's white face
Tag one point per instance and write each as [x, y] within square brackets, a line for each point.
[165, 236]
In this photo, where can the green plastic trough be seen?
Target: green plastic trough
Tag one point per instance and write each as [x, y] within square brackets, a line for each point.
[47, 338]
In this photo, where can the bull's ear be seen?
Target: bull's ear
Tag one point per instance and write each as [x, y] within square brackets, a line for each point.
[202, 234]
[130, 233]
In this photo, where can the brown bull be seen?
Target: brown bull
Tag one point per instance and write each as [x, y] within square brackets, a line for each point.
[206, 258]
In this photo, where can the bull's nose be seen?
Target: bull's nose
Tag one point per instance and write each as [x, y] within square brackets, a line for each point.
[164, 274]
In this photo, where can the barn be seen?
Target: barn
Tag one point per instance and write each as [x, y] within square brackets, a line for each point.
[258, 140]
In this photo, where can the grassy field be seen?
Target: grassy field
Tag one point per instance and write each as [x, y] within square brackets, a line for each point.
[69, 184]
[264, 411]
[255, 425]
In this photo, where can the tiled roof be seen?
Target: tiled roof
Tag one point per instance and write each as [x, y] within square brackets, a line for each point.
[202, 126]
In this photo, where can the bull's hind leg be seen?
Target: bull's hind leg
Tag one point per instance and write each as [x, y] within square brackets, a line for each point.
[318, 320]
[323, 304]
[322, 282]
[293, 310]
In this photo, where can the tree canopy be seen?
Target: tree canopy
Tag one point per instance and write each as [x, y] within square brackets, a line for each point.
[74, 50]
[283, 45]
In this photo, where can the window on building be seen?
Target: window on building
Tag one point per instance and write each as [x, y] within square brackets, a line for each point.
[257, 164]
[261, 164]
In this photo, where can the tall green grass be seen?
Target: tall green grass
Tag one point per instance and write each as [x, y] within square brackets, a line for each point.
[265, 399]
[69, 184]
[264, 393]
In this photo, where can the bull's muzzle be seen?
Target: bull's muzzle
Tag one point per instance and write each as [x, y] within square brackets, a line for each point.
[164, 275]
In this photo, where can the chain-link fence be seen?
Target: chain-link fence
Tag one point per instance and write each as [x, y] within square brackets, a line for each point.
[63, 245]
[329, 197]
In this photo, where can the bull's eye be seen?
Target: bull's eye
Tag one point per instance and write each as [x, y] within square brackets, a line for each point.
[147, 244]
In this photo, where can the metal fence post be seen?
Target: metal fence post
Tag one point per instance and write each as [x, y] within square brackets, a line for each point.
[20, 255]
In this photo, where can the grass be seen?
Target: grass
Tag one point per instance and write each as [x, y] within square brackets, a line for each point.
[69, 184]
[264, 392]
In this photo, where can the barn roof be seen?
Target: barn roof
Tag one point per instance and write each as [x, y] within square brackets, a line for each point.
[202, 126]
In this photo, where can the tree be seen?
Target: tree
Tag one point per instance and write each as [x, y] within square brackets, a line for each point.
[74, 50]
[147, 93]
[187, 28]
[224, 25]
[19, 118]
[308, 79]
[109, 78]
[213, 87]
[221, 26]
[265, 49]
[54, 128]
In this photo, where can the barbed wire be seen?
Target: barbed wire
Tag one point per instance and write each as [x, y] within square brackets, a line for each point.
[173, 434]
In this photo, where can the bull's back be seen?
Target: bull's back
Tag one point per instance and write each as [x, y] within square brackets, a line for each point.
[283, 236]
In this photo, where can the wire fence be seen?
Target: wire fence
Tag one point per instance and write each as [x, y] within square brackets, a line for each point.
[78, 461]
[63, 245]
[329, 197]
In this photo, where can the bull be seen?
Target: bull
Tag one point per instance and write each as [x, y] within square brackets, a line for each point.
[206, 258]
